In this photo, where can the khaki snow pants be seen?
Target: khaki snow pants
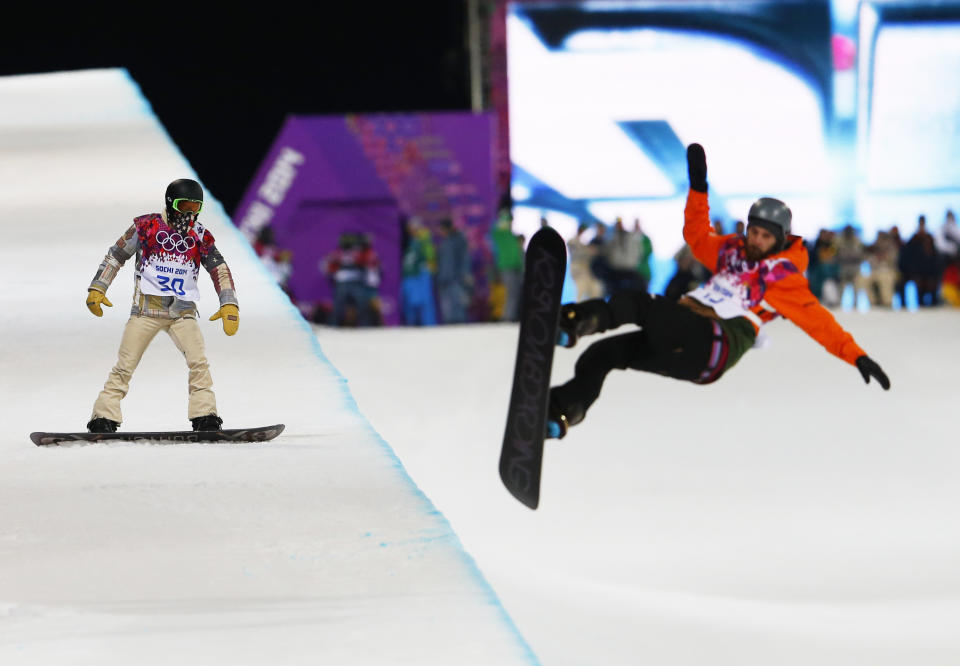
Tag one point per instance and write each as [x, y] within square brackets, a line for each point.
[137, 336]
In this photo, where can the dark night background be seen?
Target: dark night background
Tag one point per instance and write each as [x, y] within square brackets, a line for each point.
[221, 82]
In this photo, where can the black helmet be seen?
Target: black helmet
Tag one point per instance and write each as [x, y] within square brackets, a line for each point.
[774, 216]
[184, 188]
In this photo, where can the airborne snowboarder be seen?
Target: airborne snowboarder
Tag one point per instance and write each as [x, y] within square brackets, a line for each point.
[701, 336]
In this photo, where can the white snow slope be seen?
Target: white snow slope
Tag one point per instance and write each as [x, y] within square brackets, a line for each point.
[786, 515]
[315, 548]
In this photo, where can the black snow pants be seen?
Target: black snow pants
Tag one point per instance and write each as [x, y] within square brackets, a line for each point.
[673, 341]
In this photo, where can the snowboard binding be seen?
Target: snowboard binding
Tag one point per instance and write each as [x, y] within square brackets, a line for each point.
[100, 425]
[578, 320]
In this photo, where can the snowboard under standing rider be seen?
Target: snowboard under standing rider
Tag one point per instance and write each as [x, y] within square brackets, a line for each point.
[170, 248]
[705, 333]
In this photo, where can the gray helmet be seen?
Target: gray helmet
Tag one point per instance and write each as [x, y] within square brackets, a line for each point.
[774, 216]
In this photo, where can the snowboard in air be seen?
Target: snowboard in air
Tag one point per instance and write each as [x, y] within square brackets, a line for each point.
[261, 434]
[521, 456]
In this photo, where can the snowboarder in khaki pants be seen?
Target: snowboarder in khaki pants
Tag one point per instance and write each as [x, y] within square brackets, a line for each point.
[170, 247]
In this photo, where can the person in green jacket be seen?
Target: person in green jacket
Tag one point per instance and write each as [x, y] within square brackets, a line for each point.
[508, 255]
[646, 251]
[419, 263]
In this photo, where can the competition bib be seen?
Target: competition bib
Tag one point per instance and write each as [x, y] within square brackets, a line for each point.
[169, 270]
[726, 294]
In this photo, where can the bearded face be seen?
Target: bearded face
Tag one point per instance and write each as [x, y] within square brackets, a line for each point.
[753, 253]
[759, 243]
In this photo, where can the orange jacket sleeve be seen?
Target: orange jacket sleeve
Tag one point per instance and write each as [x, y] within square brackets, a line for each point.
[791, 297]
[704, 242]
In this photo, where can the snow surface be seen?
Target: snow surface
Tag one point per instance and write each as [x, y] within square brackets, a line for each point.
[315, 548]
[786, 515]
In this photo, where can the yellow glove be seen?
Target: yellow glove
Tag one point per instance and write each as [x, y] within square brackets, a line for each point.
[229, 314]
[94, 299]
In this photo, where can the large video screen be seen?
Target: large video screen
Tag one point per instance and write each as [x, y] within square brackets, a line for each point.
[786, 100]
[911, 140]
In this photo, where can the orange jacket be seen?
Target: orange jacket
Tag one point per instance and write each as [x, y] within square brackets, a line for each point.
[776, 285]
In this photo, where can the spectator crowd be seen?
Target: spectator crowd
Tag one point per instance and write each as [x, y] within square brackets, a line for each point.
[439, 281]
[610, 261]
[884, 269]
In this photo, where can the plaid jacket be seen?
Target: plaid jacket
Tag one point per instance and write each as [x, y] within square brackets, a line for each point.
[137, 241]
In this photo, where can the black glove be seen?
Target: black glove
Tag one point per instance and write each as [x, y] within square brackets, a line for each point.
[869, 368]
[697, 167]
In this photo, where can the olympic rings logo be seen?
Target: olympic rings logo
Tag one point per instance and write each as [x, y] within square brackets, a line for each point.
[175, 241]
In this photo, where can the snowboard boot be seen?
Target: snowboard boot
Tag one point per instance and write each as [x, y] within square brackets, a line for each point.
[208, 422]
[580, 319]
[557, 425]
[100, 424]
[561, 417]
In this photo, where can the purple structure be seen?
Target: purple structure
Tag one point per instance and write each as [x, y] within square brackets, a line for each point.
[328, 175]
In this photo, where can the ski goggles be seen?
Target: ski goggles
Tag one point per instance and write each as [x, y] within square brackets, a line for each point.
[179, 202]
